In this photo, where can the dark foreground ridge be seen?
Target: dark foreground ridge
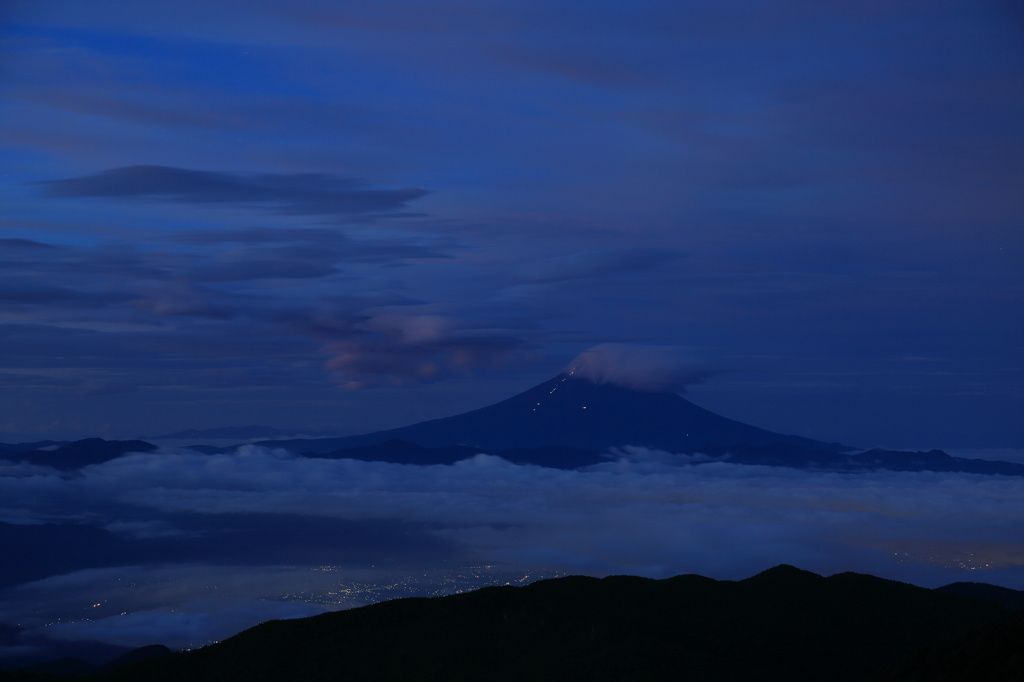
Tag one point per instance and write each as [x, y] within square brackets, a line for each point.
[783, 625]
[1011, 600]
[995, 653]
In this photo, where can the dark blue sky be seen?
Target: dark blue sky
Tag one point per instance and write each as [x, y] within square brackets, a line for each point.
[350, 216]
[345, 216]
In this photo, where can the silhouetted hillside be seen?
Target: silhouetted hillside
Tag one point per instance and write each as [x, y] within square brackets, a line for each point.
[783, 625]
[1010, 600]
[574, 413]
[994, 653]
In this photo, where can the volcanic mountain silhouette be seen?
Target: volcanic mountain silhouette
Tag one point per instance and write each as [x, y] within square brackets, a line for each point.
[577, 413]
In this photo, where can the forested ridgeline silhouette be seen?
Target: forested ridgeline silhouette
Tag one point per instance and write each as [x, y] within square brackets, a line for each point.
[784, 624]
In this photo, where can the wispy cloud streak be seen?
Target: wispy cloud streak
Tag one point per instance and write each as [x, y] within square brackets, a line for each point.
[295, 194]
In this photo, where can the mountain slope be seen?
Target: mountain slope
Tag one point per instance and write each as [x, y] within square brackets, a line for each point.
[781, 625]
[1011, 600]
[570, 412]
[995, 653]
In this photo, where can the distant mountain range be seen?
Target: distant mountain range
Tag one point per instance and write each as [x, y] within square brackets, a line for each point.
[80, 453]
[238, 432]
[34, 445]
[782, 625]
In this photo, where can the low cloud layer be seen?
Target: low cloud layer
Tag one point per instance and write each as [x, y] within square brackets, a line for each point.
[642, 368]
[642, 509]
[202, 539]
[295, 194]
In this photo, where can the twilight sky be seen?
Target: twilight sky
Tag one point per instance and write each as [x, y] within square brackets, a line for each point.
[345, 216]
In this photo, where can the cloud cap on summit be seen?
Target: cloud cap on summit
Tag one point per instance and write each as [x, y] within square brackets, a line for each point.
[641, 368]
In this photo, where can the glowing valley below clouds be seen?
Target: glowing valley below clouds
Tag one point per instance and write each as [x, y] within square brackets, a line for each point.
[645, 513]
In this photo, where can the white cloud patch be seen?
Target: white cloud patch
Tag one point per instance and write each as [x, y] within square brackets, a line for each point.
[642, 368]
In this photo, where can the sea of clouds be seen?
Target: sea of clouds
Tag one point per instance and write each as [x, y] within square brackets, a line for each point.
[237, 539]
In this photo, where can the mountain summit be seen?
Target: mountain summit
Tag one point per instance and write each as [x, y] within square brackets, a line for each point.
[572, 412]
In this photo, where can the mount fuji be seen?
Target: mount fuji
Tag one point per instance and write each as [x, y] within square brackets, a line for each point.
[568, 411]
